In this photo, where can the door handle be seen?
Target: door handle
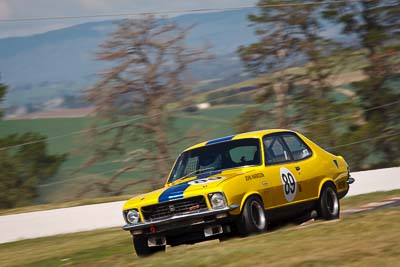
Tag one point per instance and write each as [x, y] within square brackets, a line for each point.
[297, 168]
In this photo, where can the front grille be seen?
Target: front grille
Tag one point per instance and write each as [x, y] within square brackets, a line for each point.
[178, 207]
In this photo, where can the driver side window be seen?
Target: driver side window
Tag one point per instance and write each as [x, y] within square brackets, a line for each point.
[245, 155]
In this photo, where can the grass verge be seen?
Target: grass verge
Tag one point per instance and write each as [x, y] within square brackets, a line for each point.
[361, 239]
[356, 201]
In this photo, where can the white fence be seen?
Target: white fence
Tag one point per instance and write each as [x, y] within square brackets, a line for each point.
[106, 215]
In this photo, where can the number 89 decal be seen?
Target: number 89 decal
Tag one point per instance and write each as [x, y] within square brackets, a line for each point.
[289, 184]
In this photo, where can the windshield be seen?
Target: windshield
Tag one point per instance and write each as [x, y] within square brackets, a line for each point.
[226, 155]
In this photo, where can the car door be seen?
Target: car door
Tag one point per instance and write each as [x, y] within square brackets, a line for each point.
[280, 171]
[306, 164]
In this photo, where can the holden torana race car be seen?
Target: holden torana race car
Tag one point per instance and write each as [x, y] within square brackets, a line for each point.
[237, 184]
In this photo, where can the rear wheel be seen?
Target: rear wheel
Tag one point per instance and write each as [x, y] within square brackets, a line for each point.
[252, 220]
[328, 203]
[142, 248]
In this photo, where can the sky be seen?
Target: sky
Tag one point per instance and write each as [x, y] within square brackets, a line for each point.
[16, 9]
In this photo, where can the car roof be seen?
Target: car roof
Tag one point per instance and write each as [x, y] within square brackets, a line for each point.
[253, 134]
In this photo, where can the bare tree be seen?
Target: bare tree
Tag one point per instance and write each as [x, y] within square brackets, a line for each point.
[148, 59]
[297, 63]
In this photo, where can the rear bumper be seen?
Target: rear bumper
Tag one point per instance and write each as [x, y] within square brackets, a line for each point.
[183, 220]
[349, 181]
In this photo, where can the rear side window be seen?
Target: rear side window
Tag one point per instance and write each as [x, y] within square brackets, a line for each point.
[275, 150]
[297, 147]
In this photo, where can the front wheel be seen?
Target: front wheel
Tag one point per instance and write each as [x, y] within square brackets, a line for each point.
[252, 220]
[142, 248]
[328, 203]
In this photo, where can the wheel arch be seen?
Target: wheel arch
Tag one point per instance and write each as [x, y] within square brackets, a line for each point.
[326, 181]
[249, 194]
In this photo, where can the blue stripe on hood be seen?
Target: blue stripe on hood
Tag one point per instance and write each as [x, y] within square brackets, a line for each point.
[174, 192]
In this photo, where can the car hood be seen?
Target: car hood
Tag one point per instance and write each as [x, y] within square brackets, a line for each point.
[205, 182]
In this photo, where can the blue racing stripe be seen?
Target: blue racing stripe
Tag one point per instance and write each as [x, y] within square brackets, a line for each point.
[220, 140]
[174, 192]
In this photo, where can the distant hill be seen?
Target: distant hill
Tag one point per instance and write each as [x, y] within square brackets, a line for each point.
[61, 62]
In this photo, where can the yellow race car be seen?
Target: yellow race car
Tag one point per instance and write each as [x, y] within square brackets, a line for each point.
[237, 184]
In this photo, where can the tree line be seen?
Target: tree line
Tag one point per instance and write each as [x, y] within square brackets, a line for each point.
[23, 168]
[303, 98]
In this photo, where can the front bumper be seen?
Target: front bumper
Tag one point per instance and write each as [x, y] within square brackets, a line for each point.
[180, 218]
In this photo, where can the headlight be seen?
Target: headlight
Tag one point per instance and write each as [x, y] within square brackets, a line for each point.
[132, 216]
[217, 200]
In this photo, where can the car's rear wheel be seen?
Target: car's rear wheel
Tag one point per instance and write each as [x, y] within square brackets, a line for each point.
[252, 219]
[142, 248]
[328, 203]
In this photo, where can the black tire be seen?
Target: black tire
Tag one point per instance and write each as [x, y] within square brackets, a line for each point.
[142, 249]
[252, 219]
[328, 203]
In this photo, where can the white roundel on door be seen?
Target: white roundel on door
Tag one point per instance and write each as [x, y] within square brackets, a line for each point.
[289, 184]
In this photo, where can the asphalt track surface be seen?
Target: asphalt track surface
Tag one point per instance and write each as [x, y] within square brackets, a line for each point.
[99, 216]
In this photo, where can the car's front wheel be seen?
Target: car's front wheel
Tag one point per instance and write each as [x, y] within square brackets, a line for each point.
[328, 203]
[142, 248]
[252, 220]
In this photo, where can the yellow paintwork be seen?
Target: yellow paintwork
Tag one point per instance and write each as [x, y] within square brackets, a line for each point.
[265, 181]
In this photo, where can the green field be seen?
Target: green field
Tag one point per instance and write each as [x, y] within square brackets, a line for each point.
[365, 239]
[214, 122]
